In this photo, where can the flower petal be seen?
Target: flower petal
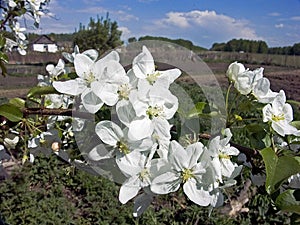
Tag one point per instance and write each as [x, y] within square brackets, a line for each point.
[165, 183]
[109, 132]
[140, 128]
[129, 189]
[70, 87]
[196, 195]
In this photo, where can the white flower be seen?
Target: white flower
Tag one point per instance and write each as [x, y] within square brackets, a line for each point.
[47, 143]
[91, 53]
[89, 74]
[11, 3]
[22, 46]
[262, 91]
[220, 152]
[184, 169]
[280, 114]
[246, 80]
[112, 135]
[152, 111]
[19, 31]
[139, 170]
[144, 68]
[11, 143]
[55, 71]
[234, 69]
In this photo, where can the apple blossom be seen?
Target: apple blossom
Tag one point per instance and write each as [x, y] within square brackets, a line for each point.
[184, 168]
[89, 74]
[280, 115]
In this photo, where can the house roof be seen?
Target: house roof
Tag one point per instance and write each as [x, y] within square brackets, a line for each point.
[44, 39]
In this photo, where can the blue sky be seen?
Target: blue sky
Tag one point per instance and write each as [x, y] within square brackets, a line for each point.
[204, 22]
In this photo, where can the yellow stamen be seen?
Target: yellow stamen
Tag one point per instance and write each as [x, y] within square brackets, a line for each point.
[151, 78]
[123, 148]
[186, 174]
[277, 118]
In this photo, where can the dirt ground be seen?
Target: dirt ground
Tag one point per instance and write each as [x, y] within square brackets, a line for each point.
[284, 78]
[281, 78]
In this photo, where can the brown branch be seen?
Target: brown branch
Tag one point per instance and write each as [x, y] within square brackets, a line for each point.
[56, 112]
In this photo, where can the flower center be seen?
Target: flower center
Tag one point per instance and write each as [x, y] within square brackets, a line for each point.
[277, 118]
[124, 91]
[89, 77]
[144, 175]
[151, 78]
[123, 148]
[186, 174]
[154, 111]
[224, 156]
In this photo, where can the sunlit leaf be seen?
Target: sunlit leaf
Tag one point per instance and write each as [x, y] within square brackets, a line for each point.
[278, 169]
[11, 112]
[18, 102]
[38, 91]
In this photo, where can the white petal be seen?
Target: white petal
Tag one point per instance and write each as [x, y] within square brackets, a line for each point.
[98, 153]
[193, 153]
[178, 157]
[91, 53]
[165, 183]
[82, 64]
[70, 87]
[125, 112]
[140, 128]
[227, 167]
[167, 77]
[143, 64]
[109, 132]
[132, 163]
[198, 196]
[129, 189]
[90, 101]
[106, 92]
[162, 128]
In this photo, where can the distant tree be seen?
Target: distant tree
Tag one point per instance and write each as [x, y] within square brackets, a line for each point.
[295, 50]
[101, 34]
[218, 47]
[182, 42]
[132, 39]
[262, 47]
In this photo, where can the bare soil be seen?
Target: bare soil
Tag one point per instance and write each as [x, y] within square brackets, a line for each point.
[281, 78]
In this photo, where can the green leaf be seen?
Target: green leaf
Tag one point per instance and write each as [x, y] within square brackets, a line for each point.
[38, 91]
[11, 112]
[197, 110]
[278, 169]
[18, 102]
[289, 201]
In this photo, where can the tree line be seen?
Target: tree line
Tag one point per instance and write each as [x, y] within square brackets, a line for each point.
[254, 46]
[103, 34]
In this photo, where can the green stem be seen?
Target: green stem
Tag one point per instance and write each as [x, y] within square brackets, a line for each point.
[226, 101]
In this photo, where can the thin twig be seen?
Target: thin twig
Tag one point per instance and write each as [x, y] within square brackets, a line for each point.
[57, 112]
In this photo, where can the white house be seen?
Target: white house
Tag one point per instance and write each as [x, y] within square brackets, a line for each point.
[44, 44]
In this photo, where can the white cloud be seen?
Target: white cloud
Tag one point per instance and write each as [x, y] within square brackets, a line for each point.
[279, 25]
[274, 14]
[206, 24]
[295, 18]
[126, 33]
